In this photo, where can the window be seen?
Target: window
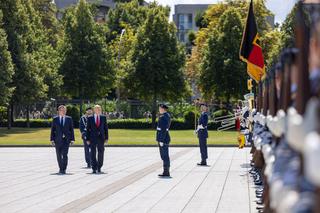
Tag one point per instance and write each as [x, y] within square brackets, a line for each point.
[189, 21]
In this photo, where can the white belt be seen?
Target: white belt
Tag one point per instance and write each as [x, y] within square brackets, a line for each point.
[159, 129]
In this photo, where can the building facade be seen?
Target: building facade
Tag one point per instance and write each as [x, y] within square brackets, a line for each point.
[103, 7]
[184, 18]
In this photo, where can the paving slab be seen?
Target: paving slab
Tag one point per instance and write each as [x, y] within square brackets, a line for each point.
[130, 184]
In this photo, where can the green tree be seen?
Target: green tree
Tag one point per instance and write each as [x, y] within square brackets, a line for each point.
[45, 28]
[212, 18]
[128, 14]
[6, 68]
[23, 37]
[121, 54]
[158, 61]
[222, 73]
[47, 11]
[86, 64]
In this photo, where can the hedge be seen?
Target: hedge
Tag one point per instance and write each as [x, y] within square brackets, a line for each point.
[176, 124]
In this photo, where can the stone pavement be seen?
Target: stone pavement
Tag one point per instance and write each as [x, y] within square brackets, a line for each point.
[28, 182]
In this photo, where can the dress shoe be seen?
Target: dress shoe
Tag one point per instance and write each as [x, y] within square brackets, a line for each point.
[165, 173]
[88, 166]
[94, 172]
[63, 172]
[99, 170]
[202, 163]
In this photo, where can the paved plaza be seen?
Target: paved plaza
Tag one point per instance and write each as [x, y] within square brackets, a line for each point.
[28, 182]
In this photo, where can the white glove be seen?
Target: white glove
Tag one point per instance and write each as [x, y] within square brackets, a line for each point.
[53, 143]
[279, 121]
[312, 157]
[161, 144]
[295, 133]
[71, 142]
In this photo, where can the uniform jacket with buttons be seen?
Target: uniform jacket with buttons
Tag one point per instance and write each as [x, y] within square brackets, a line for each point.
[163, 128]
[203, 120]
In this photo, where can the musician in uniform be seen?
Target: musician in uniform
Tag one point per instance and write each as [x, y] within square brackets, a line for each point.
[83, 130]
[202, 132]
[163, 138]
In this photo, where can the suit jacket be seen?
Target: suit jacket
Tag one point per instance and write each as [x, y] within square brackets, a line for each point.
[203, 120]
[96, 134]
[60, 133]
[83, 126]
[163, 128]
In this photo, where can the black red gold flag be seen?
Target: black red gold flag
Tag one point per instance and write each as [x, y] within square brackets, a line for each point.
[250, 50]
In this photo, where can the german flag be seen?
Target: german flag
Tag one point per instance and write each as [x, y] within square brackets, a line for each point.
[250, 50]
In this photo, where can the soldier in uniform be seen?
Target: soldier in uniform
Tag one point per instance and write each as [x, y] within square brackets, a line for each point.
[163, 138]
[62, 135]
[202, 132]
[83, 130]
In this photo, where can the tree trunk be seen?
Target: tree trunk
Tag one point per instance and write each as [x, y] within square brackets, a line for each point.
[9, 116]
[28, 116]
[154, 110]
[81, 104]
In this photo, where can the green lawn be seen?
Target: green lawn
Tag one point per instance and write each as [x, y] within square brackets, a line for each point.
[24, 136]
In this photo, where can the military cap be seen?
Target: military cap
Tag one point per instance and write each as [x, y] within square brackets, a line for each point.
[163, 106]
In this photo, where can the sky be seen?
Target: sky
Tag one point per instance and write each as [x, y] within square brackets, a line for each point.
[279, 7]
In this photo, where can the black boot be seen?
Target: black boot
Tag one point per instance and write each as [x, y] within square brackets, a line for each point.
[165, 173]
[203, 163]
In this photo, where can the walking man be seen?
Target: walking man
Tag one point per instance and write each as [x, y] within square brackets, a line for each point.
[62, 135]
[83, 130]
[97, 136]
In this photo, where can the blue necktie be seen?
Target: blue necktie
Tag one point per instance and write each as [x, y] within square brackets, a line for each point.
[61, 121]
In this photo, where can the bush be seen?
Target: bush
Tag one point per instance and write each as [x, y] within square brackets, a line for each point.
[189, 118]
[3, 114]
[176, 124]
[74, 112]
[221, 112]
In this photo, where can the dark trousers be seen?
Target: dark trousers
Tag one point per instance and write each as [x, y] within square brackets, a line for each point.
[62, 150]
[97, 163]
[164, 154]
[203, 148]
[87, 152]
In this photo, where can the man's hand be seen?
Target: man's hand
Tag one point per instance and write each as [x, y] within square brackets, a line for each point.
[88, 142]
[53, 143]
[161, 144]
[106, 141]
[72, 142]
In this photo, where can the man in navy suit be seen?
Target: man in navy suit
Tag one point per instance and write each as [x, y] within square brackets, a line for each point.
[83, 130]
[97, 136]
[202, 132]
[62, 135]
[163, 138]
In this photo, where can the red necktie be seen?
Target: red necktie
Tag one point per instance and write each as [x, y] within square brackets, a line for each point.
[98, 121]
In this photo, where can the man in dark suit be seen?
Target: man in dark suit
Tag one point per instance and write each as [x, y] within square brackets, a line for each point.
[97, 136]
[163, 138]
[62, 135]
[83, 129]
[202, 132]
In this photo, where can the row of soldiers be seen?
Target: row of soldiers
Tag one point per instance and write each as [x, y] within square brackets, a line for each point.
[286, 124]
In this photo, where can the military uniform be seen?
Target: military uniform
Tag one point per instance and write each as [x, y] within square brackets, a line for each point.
[163, 139]
[83, 129]
[203, 135]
